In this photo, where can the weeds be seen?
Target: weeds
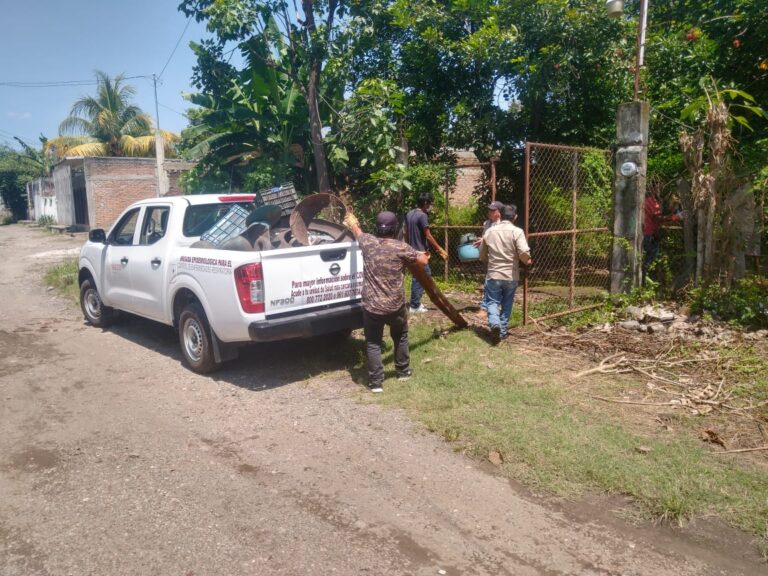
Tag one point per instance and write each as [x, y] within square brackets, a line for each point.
[45, 221]
[63, 277]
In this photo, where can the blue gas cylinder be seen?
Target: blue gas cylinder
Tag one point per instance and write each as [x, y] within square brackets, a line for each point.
[468, 252]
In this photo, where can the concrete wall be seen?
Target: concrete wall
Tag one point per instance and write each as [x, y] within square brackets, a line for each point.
[65, 204]
[42, 198]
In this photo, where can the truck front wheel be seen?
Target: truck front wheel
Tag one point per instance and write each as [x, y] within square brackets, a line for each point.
[94, 311]
[195, 340]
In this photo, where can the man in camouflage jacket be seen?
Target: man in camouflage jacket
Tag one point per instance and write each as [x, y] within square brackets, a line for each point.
[383, 299]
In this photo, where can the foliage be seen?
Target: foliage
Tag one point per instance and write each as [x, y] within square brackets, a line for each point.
[6, 217]
[296, 46]
[745, 304]
[46, 220]
[569, 71]
[107, 125]
[16, 170]
[249, 133]
[707, 153]
[443, 58]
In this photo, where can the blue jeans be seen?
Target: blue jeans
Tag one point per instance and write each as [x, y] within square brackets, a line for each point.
[500, 293]
[417, 290]
[484, 301]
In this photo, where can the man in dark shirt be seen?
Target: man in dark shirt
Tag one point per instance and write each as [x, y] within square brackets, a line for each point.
[418, 236]
[384, 262]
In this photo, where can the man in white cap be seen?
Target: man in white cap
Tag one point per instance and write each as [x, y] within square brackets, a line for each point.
[494, 217]
[505, 249]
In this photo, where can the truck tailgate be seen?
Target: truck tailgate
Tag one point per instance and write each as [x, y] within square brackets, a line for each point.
[311, 277]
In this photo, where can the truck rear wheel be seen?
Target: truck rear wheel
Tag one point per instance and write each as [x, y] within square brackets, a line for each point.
[94, 311]
[195, 340]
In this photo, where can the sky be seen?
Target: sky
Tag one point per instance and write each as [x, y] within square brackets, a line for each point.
[57, 41]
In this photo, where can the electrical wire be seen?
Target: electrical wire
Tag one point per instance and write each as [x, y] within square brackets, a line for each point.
[57, 83]
[174, 48]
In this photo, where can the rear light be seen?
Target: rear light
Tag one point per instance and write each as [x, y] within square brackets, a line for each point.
[249, 280]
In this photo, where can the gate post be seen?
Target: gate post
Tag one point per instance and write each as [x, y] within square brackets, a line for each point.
[629, 181]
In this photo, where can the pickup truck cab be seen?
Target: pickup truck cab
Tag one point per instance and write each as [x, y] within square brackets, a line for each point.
[152, 264]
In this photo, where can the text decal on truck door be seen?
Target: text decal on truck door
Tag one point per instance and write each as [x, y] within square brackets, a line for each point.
[211, 265]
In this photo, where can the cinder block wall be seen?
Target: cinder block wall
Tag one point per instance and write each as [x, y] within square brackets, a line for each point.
[115, 183]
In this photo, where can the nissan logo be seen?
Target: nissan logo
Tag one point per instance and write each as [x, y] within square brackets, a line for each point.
[334, 269]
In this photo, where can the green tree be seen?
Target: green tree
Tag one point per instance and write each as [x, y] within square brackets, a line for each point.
[250, 128]
[296, 44]
[108, 124]
[15, 171]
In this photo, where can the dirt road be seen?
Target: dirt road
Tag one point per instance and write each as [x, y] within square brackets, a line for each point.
[114, 459]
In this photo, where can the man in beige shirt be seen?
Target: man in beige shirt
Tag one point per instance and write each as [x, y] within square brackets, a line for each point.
[505, 249]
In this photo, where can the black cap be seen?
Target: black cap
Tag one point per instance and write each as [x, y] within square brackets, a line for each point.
[386, 222]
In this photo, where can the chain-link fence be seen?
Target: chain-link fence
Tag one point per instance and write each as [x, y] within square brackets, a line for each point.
[568, 200]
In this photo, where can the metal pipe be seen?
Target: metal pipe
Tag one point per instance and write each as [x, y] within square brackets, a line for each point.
[526, 185]
[640, 44]
[565, 232]
[574, 188]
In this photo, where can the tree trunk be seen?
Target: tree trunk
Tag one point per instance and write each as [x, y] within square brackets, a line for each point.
[689, 230]
[315, 130]
[701, 226]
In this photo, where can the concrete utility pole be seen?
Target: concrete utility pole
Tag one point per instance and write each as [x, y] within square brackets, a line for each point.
[629, 195]
[630, 170]
[159, 148]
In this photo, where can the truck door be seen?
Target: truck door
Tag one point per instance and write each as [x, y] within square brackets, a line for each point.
[118, 253]
[148, 266]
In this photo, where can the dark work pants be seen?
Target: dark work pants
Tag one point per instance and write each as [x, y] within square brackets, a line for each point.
[373, 326]
[651, 245]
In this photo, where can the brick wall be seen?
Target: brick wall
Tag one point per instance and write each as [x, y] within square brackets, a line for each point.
[468, 176]
[115, 183]
[173, 170]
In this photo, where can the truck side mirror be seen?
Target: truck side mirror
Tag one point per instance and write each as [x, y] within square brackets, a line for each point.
[97, 235]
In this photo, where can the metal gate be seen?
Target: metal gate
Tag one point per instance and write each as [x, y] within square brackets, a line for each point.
[568, 208]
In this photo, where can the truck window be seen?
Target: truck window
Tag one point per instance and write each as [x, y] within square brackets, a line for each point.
[125, 229]
[155, 224]
[200, 218]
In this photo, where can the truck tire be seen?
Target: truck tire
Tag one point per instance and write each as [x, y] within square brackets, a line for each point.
[94, 311]
[195, 339]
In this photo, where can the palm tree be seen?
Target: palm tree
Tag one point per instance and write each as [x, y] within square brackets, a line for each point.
[108, 124]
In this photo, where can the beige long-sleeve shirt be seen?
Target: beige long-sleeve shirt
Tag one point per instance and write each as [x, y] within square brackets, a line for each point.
[501, 247]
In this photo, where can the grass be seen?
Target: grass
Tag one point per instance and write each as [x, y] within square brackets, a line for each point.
[495, 399]
[63, 277]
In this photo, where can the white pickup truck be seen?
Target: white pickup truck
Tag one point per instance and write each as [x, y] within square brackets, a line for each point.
[217, 299]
